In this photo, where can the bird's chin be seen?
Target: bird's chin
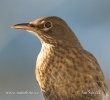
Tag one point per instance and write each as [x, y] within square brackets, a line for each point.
[32, 32]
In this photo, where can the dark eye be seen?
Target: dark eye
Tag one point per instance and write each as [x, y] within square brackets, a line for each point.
[48, 24]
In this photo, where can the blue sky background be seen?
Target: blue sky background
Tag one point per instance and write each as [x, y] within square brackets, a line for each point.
[89, 19]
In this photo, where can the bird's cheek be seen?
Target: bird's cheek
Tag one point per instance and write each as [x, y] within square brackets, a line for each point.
[45, 30]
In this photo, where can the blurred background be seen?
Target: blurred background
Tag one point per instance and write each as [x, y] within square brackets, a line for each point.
[90, 20]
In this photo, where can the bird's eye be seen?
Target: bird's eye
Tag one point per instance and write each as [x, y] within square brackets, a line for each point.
[48, 25]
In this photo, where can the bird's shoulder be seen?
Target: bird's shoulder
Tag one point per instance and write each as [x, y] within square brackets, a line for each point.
[97, 73]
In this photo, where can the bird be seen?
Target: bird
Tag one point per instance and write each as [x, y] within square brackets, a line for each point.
[64, 69]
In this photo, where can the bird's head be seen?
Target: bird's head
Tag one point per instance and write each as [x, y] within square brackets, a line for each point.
[51, 30]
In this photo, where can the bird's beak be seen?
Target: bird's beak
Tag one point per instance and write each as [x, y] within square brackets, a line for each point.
[24, 26]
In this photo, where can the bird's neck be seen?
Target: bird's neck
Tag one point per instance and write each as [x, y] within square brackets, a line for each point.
[62, 44]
